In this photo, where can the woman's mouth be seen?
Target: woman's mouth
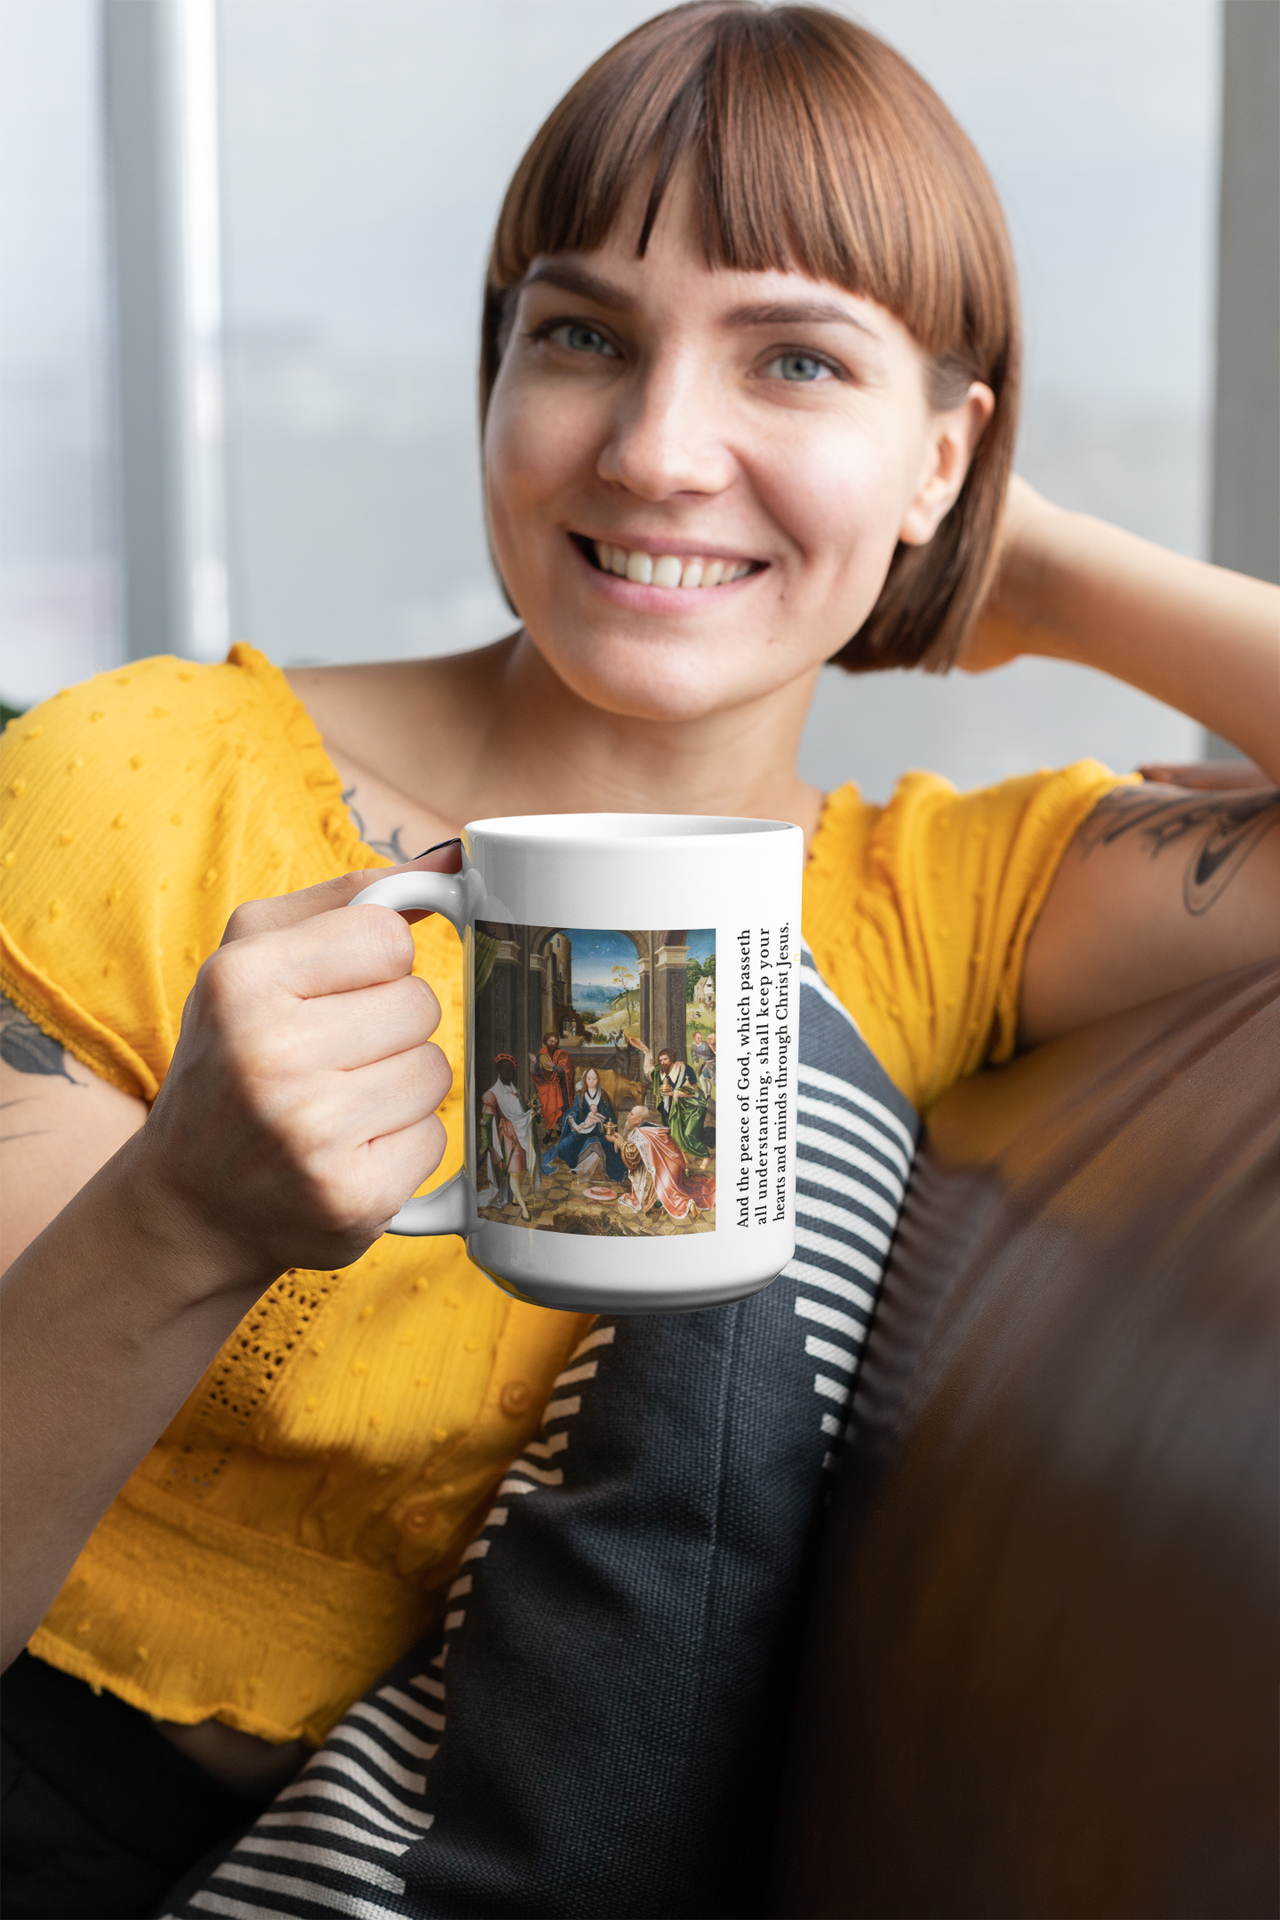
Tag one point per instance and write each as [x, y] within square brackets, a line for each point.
[662, 569]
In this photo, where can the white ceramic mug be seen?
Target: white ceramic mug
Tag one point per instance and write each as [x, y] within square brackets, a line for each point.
[632, 1012]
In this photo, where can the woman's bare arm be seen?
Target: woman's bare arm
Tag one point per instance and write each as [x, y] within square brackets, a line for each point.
[59, 1124]
[110, 1316]
[1202, 639]
[297, 1115]
[1161, 886]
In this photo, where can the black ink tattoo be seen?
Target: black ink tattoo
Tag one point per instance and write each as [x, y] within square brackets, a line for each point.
[25, 1048]
[1224, 830]
[392, 847]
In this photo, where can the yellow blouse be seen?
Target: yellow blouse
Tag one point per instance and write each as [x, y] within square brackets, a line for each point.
[299, 1522]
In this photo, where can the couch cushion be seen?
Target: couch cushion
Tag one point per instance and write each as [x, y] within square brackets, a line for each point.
[596, 1726]
[1040, 1673]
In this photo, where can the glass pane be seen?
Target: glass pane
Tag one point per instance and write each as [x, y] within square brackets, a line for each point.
[1099, 122]
[58, 620]
[366, 146]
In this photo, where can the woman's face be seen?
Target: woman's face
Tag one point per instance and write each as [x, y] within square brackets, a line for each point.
[762, 433]
[592, 1080]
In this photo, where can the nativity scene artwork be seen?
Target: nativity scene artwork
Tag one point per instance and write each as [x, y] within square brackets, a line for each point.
[595, 1055]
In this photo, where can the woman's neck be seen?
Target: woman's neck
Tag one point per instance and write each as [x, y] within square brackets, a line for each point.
[495, 732]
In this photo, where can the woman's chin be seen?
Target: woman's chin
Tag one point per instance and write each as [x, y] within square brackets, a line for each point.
[664, 698]
[666, 684]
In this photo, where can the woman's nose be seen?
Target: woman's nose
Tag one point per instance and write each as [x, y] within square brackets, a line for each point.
[668, 437]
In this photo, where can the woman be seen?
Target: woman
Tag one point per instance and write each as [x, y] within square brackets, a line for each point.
[584, 1144]
[749, 370]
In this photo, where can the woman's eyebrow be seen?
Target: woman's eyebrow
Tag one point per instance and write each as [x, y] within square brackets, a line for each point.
[573, 279]
[773, 313]
[791, 313]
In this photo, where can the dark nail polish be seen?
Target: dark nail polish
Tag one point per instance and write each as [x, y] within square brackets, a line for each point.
[455, 842]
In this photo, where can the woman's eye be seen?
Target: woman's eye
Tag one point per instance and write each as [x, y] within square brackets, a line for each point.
[581, 339]
[799, 367]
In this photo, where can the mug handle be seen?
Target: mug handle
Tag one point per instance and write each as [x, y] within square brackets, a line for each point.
[451, 1208]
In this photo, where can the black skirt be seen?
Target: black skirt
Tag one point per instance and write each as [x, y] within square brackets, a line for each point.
[101, 1815]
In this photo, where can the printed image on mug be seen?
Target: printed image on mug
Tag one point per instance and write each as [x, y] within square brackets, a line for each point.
[607, 1127]
[628, 1139]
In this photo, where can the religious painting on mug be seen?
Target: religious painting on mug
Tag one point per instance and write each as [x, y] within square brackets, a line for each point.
[595, 1052]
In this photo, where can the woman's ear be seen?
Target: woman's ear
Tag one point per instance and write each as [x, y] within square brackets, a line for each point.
[952, 443]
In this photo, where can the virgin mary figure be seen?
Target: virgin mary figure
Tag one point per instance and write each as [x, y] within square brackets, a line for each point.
[582, 1144]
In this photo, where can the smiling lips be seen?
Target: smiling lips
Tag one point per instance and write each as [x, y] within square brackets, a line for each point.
[667, 569]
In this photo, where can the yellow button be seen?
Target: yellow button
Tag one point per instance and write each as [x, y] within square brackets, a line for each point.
[516, 1397]
[418, 1516]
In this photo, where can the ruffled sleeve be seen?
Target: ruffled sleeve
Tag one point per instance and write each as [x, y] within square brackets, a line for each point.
[141, 808]
[919, 912]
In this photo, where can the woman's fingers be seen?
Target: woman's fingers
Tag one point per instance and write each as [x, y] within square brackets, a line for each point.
[403, 1160]
[325, 954]
[376, 1101]
[370, 1023]
[290, 909]
[1206, 776]
[362, 1141]
[298, 1111]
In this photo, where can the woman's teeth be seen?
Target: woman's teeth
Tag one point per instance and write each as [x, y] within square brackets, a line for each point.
[668, 570]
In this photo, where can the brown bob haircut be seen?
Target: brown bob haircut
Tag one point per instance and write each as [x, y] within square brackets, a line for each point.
[814, 148]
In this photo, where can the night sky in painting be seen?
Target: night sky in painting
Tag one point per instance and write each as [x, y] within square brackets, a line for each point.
[597, 951]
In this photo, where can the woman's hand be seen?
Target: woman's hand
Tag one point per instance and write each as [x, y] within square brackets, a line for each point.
[299, 1112]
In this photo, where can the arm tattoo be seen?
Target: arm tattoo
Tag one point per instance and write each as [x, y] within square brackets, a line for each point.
[1223, 830]
[25, 1048]
[391, 848]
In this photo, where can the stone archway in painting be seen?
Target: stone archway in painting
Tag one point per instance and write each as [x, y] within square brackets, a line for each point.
[662, 960]
[670, 990]
[524, 979]
[499, 1024]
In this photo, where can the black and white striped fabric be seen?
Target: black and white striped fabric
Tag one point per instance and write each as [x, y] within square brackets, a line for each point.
[595, 1727]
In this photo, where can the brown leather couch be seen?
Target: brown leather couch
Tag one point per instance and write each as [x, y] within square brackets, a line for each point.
[1040, 1676]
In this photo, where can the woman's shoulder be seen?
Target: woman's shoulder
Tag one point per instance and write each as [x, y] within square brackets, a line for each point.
[157, 730]
[926, 812]
[142, 807]
[918, 911]
[154, 689]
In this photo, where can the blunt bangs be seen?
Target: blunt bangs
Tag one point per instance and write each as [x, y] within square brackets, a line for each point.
[813, 148]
